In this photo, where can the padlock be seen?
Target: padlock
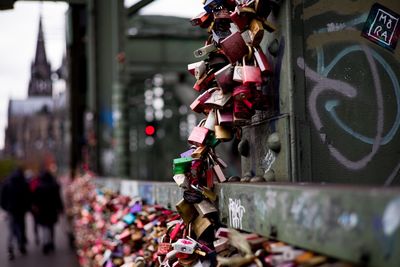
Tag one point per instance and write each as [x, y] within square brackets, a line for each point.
[203, 51]
[234, 47]
[221, 244]
[262, 61]
[187, 153]
[186, 211]
[225, 117]
[198, 103]
[242, 16]
[181, 180]
[256, 31]
[223, 133]
[210, 5]
[238, 73]
[210, 121]
[182, 165]
[224, 78]
[203, 20]
[206, 192]
[219, 173]
[204, 81]
[129, 218]
[184, 246]
[218, 99]
[200, 225]
[251, 73]
[197, 69]
[212, 141]
[199, 152]
[164, 245]
[198, 136]
[247, 37]
[241, 113]
[205, 208]
[243, 93]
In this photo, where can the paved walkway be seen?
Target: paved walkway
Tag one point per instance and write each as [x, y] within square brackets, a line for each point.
[62, 257]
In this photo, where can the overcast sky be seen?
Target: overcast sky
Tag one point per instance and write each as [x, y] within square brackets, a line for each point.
[18, 35]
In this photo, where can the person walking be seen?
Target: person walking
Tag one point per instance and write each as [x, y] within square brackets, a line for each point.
[16, 201]
[47, 205]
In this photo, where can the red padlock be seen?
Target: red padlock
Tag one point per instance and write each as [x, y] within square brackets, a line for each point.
[234, 47]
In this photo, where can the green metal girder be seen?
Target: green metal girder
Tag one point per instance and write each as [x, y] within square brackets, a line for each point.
[356, 224]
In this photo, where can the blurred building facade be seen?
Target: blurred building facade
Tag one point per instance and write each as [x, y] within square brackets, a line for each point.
[36, 125]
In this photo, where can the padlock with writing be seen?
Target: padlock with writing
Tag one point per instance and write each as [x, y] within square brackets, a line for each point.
[205, 208]
[224, 78]
[198, 103]
[218, 99]
[197, 69]
[238, 73]
[234, 47]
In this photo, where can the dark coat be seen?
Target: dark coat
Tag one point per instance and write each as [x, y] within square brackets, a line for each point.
[15, 194]
[47, 200]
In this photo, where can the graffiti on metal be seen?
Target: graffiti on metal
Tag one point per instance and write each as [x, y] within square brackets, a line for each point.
[236, 213]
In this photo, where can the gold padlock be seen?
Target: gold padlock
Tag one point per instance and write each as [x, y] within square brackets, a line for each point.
[256, 31]
[200, 225]
[199, 152]
[205, 207]
[223, 133]
[186, 211]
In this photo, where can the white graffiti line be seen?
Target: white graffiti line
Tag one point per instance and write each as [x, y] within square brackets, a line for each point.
[269, 160]
[236, 212]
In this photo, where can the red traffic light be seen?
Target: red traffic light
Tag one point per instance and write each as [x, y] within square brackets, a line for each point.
[150, 130]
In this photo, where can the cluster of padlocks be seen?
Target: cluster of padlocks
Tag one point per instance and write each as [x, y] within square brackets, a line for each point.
[112, 230]
[231, 79]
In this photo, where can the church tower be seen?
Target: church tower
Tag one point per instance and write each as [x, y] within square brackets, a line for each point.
[40, 83]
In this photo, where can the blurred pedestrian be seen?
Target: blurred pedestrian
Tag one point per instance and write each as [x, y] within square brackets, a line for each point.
[16, 201]
[47, 204]
[33, 184]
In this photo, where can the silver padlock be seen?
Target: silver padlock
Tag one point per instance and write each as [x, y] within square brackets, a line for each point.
[203, 51]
